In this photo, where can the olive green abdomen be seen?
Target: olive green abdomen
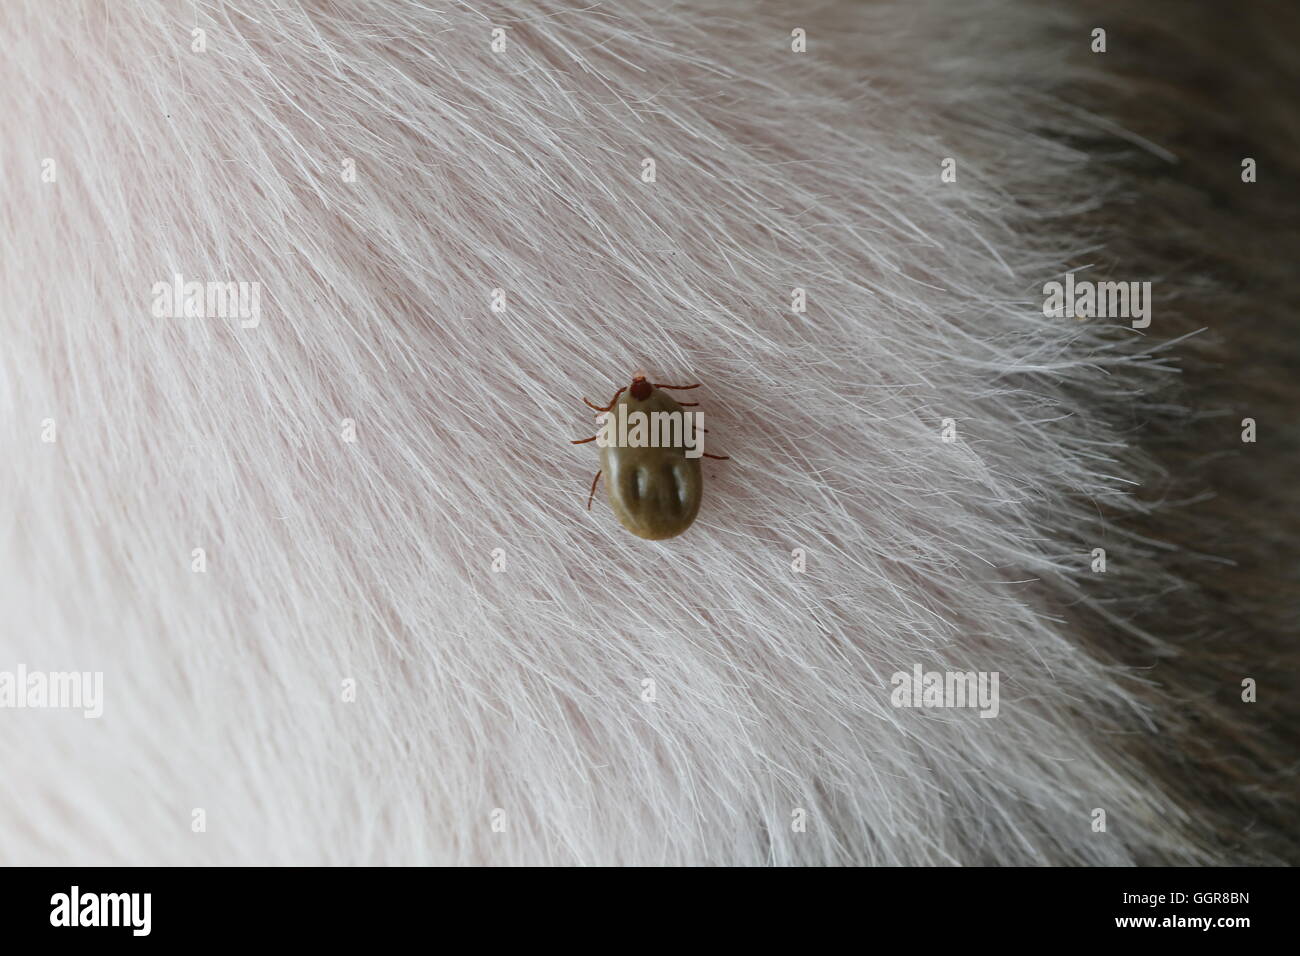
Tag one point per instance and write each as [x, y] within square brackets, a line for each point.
[655, 492]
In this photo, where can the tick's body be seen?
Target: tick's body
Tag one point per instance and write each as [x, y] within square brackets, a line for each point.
[654, 491]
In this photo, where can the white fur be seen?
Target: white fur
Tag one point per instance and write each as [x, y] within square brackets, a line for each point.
[523, 690]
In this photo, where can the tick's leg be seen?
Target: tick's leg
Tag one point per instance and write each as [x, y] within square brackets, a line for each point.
[681, 387]
[592, 496]
[583, 441]
[688, 404]
[719, 457]
[611, 401]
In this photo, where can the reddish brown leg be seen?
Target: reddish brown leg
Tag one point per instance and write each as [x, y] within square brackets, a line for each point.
[592, 496]
[719, 457]
[611, 401]
[583, 441]
[688, 404]
[682, 387]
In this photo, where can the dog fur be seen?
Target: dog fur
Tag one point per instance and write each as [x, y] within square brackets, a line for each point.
[532, 684]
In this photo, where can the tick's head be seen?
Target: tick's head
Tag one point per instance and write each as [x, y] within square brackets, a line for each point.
[641, 387]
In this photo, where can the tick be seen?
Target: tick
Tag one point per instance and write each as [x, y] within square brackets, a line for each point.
[654, 484]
